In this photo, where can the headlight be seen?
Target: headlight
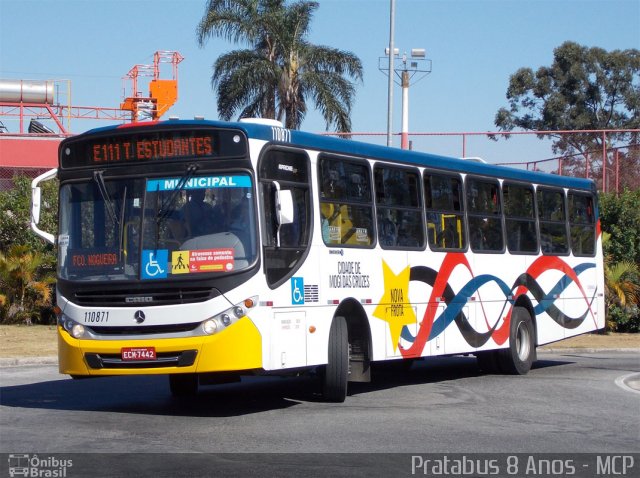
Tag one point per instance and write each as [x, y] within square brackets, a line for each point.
[219, 322]
[209, 327]
[77, 330]
[74, 329]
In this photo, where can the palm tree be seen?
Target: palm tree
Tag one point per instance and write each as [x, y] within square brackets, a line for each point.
[621, 281]
[281, 70]
[20, 282]
[621, 284]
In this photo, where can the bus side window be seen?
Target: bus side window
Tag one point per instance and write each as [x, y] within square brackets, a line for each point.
[445, 215]
[520, 220]
[398, 205]
[551, 217]
[484, 215]
[346, 213]
[582, 224]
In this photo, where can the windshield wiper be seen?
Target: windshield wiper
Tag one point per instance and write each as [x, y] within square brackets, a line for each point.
[108, 202]
[166, 207]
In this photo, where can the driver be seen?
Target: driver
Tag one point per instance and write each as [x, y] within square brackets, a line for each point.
[198, 214]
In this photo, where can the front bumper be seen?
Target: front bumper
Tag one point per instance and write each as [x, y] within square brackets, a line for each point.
[237, 347]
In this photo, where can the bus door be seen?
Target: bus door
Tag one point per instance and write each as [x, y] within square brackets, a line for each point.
[284, 173]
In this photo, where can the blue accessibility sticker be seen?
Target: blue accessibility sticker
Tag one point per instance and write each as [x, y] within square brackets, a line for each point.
[155, 264]
[297, 290]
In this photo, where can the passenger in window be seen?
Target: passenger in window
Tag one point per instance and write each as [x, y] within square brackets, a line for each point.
[333, 186]
[356, 186]
[446, 237]
[486, 235]
[388, 231]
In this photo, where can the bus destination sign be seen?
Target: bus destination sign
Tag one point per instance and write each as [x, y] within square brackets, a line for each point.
[149, 146]
[130, 149]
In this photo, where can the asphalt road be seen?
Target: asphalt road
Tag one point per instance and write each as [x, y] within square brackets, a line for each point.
[569, 403]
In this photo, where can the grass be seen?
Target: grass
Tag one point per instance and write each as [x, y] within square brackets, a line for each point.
[28, 341]
[18, 341]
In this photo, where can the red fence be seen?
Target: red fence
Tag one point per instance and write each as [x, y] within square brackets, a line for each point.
[612, 161]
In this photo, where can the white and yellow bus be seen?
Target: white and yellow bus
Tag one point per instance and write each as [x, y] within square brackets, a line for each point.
[204, 250]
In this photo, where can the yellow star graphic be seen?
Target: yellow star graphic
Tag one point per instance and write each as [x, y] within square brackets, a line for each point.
[394, 307]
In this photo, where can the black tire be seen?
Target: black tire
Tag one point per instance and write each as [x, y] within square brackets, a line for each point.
[336, 371]
[183, 384]
[518, 358]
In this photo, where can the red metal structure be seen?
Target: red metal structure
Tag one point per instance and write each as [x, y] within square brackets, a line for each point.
[33, 148]
[35, 99]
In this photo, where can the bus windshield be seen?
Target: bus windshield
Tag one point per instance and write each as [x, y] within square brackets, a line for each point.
[157, 228]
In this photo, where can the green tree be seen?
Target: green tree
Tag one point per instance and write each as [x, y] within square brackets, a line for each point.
[280, 71]
[583, 89]
[622, 291]
[620, 222]
[27, 263]
[15, 216]
[621, 283]
[620, 217]
[24, 286]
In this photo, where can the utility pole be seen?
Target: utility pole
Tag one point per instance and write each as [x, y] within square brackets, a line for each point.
[391, 51]
[414, 68]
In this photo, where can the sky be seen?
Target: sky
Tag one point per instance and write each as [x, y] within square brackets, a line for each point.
[474, 46]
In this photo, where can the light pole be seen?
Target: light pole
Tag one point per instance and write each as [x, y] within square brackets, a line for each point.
[414, 68]
[392, 16]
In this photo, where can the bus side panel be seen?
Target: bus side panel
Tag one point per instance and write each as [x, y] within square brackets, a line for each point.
[289, 339]
[584, 298]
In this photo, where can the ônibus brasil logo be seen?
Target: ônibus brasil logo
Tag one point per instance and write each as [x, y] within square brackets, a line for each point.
[22, 464]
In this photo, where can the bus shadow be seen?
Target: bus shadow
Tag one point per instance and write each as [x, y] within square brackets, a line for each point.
[430, 370]
[150, 395]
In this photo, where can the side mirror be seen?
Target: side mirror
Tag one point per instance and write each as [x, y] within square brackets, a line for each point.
[36, 198]
[284, 205]
[36, 203]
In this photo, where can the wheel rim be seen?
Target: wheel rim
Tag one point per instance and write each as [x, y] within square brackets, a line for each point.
[523, 342]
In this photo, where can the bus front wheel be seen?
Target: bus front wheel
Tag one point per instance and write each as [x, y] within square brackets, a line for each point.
[519, 356]
[336, 372]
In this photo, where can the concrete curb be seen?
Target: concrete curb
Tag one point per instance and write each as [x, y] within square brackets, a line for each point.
[629, 382]
[15, 361]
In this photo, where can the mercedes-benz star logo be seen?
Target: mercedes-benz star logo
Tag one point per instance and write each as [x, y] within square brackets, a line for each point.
[139, 316]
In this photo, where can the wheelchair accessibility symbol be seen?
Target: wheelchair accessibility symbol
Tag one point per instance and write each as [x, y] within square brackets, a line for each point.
[297, 290]
[155, 264]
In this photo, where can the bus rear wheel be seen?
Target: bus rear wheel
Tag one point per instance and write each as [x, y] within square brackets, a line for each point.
[336, 372]
[183, 384]
[519, 356]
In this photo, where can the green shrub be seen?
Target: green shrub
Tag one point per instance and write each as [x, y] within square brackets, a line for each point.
[623, 319]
